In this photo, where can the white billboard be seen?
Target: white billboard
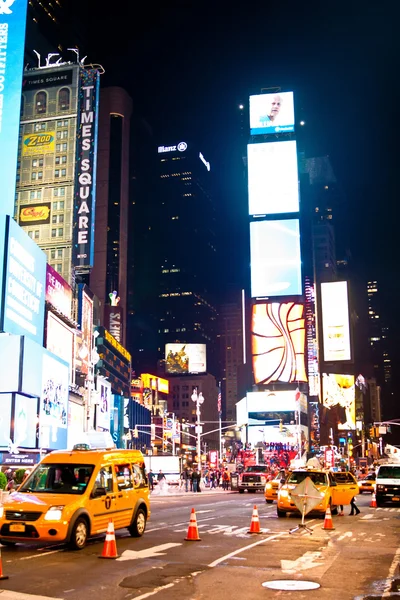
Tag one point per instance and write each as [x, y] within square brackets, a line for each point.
[335, 321]
[273, 178]
[185, 358]
[272, 113]
[275, 258]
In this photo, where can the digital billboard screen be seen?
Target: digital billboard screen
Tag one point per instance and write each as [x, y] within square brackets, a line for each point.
[275, 258]
[335, 321]
[53, 419]
[185, 358]
[273, 178]
[338, 393]
[25, 284]
[278, 342]
[272, 113]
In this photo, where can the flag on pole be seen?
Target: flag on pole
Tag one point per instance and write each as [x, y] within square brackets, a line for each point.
[219, 400]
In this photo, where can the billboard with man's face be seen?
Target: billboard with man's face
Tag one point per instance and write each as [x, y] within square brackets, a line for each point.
[272, 113]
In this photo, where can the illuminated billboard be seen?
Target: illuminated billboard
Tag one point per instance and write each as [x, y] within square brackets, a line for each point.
[275, 258]
[185, 358]
[24, 288]
[278, 342]
[273, 178]
[59, 339]
[85, 181]
[12, 38]
[53, 416]
[58, 292]
[155, 383]
[272, 113]
[335, 321]
[103, 410]
[34, 214]
[277, 401]
[338, 392]
[38, 143]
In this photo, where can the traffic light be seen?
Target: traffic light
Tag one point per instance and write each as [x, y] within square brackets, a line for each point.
[135, 433]
[350, 447]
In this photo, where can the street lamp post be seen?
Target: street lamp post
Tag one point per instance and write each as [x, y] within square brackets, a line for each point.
[198, 398]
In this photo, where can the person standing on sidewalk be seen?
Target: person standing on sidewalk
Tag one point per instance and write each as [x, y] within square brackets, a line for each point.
[195, 480]
[225, 480]
[150, 476]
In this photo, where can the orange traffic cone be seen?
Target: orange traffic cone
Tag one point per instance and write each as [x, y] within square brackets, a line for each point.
[328, 523]
[373, 500]
[255, 522]
[193, 532]
[1, 568]
[110, 545]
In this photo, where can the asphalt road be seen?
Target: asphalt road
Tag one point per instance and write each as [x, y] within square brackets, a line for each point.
[357, 559]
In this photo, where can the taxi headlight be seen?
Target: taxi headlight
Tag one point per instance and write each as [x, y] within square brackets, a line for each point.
[1, 511]
[284, 493]
[268, 486]
[54, 513]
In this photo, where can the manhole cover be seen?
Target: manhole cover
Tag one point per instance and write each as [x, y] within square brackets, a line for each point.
[290, 584]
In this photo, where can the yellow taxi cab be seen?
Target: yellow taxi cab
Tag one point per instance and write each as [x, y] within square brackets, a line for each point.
[367, 483]
[335, 489]
[72, 495]
[272, 486]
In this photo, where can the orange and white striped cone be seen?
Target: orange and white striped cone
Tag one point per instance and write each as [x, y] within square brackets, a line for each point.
[193, 532]
[373, 500]
[255, 522]
[110, 545]
[328, 523]
[1, 568]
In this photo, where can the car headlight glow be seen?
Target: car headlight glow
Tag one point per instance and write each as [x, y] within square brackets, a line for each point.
[54, 513]
[1, 511]
[284, 493]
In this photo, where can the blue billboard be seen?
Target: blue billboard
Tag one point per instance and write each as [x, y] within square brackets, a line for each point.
[22, 299]
[272, 113]
[53, 412]
[275, 258]
[12, 42]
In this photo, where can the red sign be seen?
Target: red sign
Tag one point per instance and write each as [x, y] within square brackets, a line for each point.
[58, 292]
[329, 458]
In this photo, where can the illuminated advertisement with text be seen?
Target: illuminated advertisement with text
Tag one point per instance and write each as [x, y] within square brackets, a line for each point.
[335, 321]
[272, 113]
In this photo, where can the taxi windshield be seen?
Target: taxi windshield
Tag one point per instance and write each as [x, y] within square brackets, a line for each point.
[299, 476]
[58, 478]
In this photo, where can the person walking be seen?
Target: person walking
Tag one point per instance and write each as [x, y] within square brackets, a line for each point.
[354, 508]
[195, 479]
[160, 476]
[225, 480]
[185, 479]
[150, 476]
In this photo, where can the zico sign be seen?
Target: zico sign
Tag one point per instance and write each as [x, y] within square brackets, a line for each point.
[35, 143]
[34, 214]
[85, 181]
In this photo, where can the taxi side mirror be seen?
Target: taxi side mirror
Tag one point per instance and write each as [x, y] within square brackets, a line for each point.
[99, 491]
[333, 483]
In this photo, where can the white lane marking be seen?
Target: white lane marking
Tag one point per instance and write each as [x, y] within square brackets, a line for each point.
[147, 553]
[20, 596]
[240, 550]
[309, 560]
[155, 591]
[199, 512]
[389, 579]
[366, 517]
[36, 555]
[348, 534]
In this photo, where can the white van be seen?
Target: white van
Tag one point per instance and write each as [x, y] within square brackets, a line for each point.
[388, 484]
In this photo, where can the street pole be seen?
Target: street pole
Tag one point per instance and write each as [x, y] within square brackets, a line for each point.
[173, 434]
[198, 398]
[220, 439]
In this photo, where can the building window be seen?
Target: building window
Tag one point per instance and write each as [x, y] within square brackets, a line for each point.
[62, 147]
[36, 175]
[59, 268]
[64, 99]
[59, 192]
[39, 127]
[61, 160]
[62, 135]
[22, 105]
[56, 254]
[37, 162]
[57, 219]
[40, 103]
[63, 123]
[60, 173]
[35, 194]
[36, 235]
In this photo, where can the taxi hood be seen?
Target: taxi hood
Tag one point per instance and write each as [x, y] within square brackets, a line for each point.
[27, 501]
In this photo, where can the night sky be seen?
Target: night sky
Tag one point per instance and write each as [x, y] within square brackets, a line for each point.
[189, 64]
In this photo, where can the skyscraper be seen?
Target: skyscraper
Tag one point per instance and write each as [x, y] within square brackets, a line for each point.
[179, 226]
[378, 336]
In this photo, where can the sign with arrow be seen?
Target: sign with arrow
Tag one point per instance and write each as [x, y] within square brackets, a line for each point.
[147, 553]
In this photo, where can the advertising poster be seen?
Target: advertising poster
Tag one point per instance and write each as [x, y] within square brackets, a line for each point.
[58, 292]
[54, 403]
[273, 178]
[335, 321]
[12, 33]
[38, 143]
[272, 113]
[278, 342]
[34, 214]
[275, 258]
[5, 419]
[59, 339]
[185, 358]
[103, 410]
[25, 420]
[339, 392]
[25, 283]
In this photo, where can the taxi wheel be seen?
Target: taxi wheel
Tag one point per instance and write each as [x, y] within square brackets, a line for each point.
[269, 501]
[281, 513]
[138, 524]
[79, 535]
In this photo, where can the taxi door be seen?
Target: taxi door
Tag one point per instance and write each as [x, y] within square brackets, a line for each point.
[125, 496]
[102, 507]
[346, 488]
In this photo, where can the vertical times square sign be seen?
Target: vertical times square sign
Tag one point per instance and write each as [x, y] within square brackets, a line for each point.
[12, 42]
[85, 174]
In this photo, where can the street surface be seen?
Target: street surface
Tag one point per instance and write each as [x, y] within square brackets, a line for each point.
[357, 560]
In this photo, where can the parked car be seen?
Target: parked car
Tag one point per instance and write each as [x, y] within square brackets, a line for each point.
[272, 487]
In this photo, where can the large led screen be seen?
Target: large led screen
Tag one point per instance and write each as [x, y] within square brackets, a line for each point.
[335, 321]
[275, 258]
[54, 403]
[339, 395]
[25, 283]
[185, 358]
[273, 178]
[272, 113]
[278, 342]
